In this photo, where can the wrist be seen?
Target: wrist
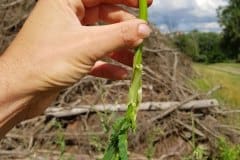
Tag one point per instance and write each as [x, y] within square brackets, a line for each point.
[16, 102]
[4, 81]
[14, 81]
[13, 104]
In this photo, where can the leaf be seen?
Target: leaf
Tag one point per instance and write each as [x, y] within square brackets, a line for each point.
[123, 147]
[110, 154]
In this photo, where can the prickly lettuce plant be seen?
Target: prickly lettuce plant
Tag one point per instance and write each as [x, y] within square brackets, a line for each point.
[118, 145]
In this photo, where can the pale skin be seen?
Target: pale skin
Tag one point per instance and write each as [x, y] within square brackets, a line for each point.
[56, 48]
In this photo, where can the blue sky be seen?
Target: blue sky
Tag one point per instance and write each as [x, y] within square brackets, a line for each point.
[186, 15]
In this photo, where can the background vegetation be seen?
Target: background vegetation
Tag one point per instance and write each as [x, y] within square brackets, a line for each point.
[214, 47]
[226, 75]
[229, 18]
[202, 47]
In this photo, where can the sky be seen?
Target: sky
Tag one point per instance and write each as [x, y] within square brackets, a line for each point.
[186, 15]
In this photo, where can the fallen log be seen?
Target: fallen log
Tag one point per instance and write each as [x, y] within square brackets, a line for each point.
[147, 106]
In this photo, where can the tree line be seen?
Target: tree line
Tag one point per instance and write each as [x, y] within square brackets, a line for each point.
[215, 47]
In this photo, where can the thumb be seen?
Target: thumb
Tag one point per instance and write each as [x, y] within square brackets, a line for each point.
[108, 38]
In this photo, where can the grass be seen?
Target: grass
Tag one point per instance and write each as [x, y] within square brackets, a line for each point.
[224, 74]
[60, 141]
[198, 150]
[227, 151]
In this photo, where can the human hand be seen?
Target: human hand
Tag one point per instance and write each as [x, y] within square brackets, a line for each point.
[55, 48]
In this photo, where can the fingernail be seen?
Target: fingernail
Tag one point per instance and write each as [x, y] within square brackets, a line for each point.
[144, 30]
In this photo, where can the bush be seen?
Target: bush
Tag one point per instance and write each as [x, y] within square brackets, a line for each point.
[202, 47]
[238, 58]
[188, 45]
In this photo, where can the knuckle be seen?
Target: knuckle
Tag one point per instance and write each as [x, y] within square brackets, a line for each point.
[129, 35]
[122, 13]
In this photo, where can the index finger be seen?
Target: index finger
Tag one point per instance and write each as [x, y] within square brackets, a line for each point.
[130, 3]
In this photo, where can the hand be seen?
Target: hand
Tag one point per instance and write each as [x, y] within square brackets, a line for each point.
[56, 47]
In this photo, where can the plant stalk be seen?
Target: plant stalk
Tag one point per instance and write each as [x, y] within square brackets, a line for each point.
[118, 146]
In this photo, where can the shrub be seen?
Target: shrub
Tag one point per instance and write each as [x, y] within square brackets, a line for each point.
[202, 47]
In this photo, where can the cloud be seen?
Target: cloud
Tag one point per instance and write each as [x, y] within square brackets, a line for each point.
[163, 28]
[186, 15]
[202, 26]
[205, 8]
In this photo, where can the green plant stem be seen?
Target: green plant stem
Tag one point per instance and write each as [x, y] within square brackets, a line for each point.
[118, 146]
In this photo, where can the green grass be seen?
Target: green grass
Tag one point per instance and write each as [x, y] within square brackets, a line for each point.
[227, 75]
[228, 151]
[224, 74]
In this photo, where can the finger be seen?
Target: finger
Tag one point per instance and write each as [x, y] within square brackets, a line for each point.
[109, 38]
[106, 13]
[108, 71]
[131, 3]
[124, 56]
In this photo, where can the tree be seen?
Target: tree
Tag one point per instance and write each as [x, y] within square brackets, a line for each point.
[201, 47]
[229, 18]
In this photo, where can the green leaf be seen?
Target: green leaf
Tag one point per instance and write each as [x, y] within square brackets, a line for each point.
[110, 154]
[123, 147]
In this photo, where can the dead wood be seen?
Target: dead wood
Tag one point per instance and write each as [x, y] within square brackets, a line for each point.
[191, 128]
[172, 109]
[147, 106]
[216, 88]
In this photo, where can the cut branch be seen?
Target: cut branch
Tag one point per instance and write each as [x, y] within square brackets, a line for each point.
[147, 106]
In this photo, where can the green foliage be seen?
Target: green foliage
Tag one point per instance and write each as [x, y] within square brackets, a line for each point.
[151, 147]
[202, 47]
[97, 143]
[225, 74]
[198, 154]
[238, 58]
[188, 44]
[229, 18]
[105, 120]
[118, 146]
[209, 46]
[227, 151]
[198, 151]
[60, 141]
[153, 134]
